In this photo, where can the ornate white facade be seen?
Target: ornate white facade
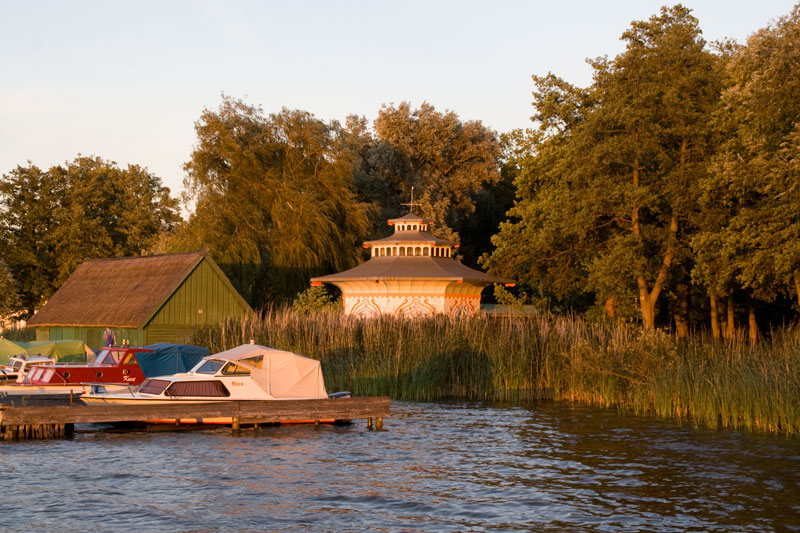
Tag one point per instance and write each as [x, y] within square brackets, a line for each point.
[411, 273]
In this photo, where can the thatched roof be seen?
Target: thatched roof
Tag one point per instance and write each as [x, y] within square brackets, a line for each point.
[124, 292]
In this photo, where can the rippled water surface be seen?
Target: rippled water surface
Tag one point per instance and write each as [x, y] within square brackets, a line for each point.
[435, 467]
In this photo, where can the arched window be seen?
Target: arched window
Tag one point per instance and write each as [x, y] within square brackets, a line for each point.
[417, 251]
[402, 250]
[394, 252]
[425, 251]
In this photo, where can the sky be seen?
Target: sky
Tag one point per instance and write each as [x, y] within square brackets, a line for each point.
[126, 80]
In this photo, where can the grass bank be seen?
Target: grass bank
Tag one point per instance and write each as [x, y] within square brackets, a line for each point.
[716, 384]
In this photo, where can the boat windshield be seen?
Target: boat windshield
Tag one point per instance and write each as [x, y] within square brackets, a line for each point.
[108, 357]
[210, 366]
[153, 386]
[232, 369]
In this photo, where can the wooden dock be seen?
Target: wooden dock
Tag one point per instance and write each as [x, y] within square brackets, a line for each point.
[57, 421]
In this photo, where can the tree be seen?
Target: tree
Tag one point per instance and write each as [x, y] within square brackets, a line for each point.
[28, 199]
[9, 297]
[274, 198]
[753, 188]
[52, 221]
[447, 161]
[606, 201]
[106, 211]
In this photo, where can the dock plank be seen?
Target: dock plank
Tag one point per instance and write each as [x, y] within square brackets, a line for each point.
[248, 412]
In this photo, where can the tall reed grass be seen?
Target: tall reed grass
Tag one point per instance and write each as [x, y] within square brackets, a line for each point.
[717, 384]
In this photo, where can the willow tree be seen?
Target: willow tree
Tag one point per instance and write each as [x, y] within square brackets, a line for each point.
[448, 161]
[274, 199]
[756, 174]
[613, 182]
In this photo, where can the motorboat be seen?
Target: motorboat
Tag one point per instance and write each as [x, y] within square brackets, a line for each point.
[245, 373]
[19, 365]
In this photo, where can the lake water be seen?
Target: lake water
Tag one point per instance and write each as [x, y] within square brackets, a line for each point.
[434, 467]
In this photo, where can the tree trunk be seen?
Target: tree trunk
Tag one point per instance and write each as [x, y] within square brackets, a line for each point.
[648, 298]
[752, 325]
[714, 316]
[797, 287]
[648, 305]
[681, 325]
[730, 325]
[610, 307]
[681, 312]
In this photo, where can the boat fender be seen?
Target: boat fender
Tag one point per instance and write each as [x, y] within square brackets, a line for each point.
[126, 371]
[99, 374]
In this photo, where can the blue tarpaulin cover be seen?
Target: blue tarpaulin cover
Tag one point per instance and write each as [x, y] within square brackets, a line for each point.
[167, 359]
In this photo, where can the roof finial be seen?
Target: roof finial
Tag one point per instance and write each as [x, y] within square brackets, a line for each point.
[411, 203]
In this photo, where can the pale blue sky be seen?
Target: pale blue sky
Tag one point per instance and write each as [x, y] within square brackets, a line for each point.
[127, 80]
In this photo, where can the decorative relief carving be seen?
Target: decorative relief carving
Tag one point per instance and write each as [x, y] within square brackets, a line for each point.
[415, 307]
[365, 308]
[463, 307]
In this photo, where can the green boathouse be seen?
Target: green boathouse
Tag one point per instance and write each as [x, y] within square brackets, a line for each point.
[145, 300]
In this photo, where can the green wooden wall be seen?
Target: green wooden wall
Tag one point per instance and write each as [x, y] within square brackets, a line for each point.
[204, 298]
[93, 337]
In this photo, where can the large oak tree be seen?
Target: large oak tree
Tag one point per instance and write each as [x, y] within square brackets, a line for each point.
[51, 221]
[751, 199]
[609, 192]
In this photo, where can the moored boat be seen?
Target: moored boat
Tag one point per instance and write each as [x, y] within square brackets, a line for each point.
[245, 373]
[19, 365]
[115, 368]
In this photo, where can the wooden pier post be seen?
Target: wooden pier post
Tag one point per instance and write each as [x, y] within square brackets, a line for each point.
[369, 423]
[379, 423]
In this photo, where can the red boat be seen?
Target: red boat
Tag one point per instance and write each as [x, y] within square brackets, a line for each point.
[117, 367]
[112, 365]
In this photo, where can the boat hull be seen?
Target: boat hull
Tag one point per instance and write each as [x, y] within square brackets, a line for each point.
[77, 389]
[118, 399]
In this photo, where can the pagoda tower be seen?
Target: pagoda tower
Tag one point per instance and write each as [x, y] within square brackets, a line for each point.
[411, 273]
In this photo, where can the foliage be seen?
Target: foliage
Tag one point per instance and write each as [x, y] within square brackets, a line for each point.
[9, 296]
[315, 298]
[449, 162]
[751, 200]
[607, 195]
[274, 198]
[51, 221]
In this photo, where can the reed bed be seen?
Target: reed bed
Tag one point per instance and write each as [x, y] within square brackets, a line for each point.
[730, 384]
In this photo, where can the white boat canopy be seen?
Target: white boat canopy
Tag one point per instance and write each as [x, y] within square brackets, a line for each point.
[281, 374]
